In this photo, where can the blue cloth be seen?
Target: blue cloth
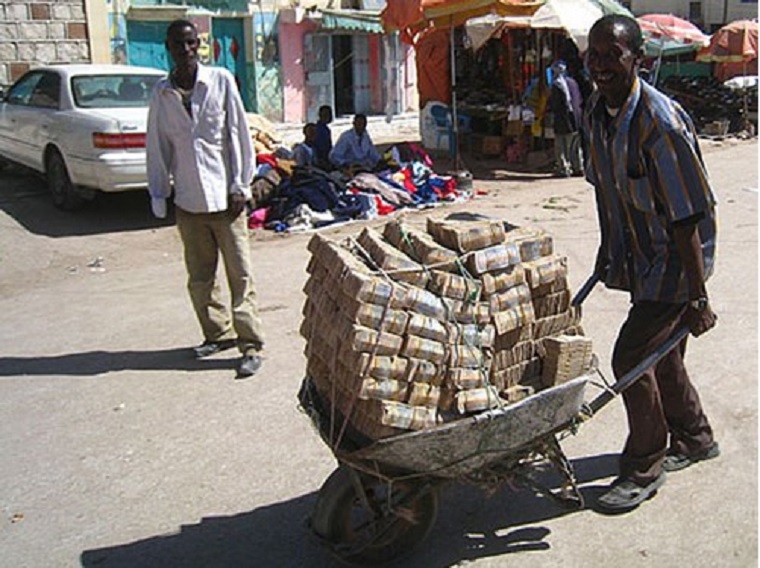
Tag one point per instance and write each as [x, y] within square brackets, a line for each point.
[304, 155]
[647, 171]
[316, 192]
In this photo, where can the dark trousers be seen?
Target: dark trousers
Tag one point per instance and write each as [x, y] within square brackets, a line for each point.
[663, 402]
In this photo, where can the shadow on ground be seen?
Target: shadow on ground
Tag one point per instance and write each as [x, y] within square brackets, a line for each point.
[25, 198]
[92, 363]
[492, 169]
[471, 525]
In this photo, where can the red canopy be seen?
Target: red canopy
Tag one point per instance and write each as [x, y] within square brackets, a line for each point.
[671, 27]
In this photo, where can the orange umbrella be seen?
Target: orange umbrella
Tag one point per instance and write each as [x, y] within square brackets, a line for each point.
[414, 16]
[733, 43]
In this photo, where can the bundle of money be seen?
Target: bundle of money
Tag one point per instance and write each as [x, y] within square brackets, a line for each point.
[411, 326]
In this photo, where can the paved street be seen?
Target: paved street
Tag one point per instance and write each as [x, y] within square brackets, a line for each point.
[117, 449]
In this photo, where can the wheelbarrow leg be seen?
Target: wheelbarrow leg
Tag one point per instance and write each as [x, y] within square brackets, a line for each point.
[569, 494]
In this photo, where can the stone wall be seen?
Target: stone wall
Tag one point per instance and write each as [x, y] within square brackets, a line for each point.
[37, 32]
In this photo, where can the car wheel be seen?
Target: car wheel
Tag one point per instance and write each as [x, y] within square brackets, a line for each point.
[64, 193]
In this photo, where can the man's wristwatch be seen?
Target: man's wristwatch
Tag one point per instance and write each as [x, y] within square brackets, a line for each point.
[699, 304]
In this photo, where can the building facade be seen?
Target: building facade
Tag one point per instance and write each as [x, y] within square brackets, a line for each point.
[288, 60]
[34, 33]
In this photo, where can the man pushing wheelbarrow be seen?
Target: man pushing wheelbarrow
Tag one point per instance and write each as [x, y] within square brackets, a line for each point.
[657, 220]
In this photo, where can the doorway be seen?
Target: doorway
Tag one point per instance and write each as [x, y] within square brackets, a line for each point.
[343, 76]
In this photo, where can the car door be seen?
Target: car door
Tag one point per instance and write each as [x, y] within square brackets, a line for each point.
[12, 145]
[30, 116]
[38, 126]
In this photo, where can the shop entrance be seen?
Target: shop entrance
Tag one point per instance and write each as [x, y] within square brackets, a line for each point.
[338, 73]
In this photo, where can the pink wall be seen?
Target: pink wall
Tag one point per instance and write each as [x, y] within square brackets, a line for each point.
[376, 95]
[294, 79]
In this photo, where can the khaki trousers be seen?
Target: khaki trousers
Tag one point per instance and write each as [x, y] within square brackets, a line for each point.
[663, 407]
[204, 236]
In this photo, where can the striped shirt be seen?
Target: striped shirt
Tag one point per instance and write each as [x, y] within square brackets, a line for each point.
[647, 171]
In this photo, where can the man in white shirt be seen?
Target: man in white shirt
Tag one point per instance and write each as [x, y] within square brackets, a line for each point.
[354, 150]
[198, 137]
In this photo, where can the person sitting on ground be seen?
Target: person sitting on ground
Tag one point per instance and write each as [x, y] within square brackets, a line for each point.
[354, 150]
[305, 152]
[323, 142]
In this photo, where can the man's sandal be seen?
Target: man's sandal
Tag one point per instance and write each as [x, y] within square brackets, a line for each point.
[678, 461]
[625, 494]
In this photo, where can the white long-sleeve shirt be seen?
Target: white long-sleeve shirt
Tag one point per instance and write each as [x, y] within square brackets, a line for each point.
[352, 149]
[208, 153]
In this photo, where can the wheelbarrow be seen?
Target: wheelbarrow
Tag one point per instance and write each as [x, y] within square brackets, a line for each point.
[382, 500]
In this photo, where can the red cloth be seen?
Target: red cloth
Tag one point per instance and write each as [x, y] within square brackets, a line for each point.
[408, 183]
[258, 218]
[383, 207]
[266, 159]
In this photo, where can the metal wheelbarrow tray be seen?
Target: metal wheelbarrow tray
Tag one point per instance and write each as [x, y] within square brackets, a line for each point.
[382, 500]
[461, 448]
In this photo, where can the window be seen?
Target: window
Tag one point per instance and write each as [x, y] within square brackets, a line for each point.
[47, 92]
[112, 91]
[21, 92]
[695, 11]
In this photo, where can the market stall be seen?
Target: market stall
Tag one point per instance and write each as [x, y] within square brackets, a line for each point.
[698, 82]
[498, 90]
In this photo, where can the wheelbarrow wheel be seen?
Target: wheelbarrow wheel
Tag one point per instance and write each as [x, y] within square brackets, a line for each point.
[384, 524]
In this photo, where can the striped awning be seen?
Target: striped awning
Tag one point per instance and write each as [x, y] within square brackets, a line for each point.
[352, 21]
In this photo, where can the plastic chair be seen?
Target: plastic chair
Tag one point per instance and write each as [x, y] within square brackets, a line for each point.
[443, 126]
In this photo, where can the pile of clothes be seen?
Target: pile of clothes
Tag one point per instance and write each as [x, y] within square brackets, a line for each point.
[288, 198]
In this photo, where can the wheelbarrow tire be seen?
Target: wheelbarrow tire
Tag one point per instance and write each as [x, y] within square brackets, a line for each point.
[358, 536]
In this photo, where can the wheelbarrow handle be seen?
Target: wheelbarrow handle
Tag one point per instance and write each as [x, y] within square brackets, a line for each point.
[585, 290]
[635, 374]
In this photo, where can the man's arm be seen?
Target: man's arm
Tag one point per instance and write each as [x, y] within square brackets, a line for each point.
[158, 158]
[689, 246]
[241, 157]
[373, 154]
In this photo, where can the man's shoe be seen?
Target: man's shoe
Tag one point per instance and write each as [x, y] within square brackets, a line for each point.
[208, 348]
[249, 364]
[625, 495]
[678, 461]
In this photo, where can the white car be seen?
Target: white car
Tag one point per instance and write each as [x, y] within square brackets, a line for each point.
[81, 126]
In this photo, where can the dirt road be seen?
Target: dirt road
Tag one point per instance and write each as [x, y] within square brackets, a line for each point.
[118, 449]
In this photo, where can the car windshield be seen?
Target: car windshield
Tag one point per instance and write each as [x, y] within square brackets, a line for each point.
[112, 91]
